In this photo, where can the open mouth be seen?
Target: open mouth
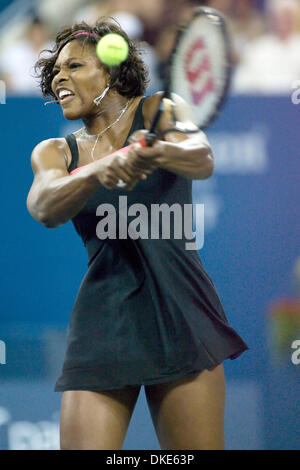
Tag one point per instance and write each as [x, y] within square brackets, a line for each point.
[65, 96]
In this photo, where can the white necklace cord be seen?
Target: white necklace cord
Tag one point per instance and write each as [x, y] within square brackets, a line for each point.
[108, 127]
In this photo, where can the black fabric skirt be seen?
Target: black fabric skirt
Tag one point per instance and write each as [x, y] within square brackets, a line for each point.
[144, 318]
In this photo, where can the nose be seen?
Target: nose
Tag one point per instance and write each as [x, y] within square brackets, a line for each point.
[60, 77]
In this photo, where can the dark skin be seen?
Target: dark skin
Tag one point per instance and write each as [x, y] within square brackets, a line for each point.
[187, 413]
[54, 197]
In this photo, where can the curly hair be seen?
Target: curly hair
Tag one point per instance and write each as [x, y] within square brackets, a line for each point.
[130, 78]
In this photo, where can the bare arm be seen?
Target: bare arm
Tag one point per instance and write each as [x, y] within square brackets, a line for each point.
[55, 197]
[187, 155]
[191, 157]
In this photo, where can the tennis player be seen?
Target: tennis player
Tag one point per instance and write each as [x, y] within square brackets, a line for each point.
[147, 313]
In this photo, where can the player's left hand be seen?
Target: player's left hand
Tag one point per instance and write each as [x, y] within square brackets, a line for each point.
[144, 159]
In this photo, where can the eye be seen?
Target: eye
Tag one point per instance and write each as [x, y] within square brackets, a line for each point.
[74, 65]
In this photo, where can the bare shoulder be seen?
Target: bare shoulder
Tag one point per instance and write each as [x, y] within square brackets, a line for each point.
[54, 144]
[51, 153]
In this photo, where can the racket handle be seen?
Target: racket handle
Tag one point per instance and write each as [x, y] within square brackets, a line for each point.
[124, 151]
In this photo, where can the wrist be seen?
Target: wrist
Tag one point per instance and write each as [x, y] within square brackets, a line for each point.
[88, 174]
[170, 153]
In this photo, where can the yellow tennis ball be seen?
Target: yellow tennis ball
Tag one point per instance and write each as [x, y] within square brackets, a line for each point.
[112, 49]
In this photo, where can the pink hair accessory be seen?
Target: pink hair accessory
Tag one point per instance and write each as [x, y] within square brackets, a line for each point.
[84, 33]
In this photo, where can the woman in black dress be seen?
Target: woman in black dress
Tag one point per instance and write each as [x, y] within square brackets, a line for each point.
[146, 313]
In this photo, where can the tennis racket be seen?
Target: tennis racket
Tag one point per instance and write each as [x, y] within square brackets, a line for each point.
[198, 77]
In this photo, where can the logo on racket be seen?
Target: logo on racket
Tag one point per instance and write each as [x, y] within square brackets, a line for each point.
[198, 71]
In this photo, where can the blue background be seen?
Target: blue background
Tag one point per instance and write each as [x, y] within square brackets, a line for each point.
[251, 246]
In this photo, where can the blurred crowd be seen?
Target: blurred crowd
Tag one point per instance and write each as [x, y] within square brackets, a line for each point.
[265, 38]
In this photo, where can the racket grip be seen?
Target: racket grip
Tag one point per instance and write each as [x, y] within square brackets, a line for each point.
[124, 151]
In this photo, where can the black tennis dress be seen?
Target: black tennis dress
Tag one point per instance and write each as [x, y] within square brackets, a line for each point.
[146, 311]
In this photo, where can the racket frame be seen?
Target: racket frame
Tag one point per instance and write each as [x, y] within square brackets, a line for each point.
[221, 23]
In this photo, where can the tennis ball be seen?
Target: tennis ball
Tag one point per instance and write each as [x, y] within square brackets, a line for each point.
[112, 49]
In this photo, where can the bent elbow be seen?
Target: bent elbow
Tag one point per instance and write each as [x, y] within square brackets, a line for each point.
[40, 216]
[46, 221]
[49, 223]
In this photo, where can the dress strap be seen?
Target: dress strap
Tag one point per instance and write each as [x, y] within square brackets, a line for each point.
[71, 140]
[138, 121]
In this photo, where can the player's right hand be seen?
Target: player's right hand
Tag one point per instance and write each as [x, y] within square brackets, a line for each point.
[110, 171]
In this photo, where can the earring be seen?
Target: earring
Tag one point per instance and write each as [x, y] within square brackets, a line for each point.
[99, 98]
